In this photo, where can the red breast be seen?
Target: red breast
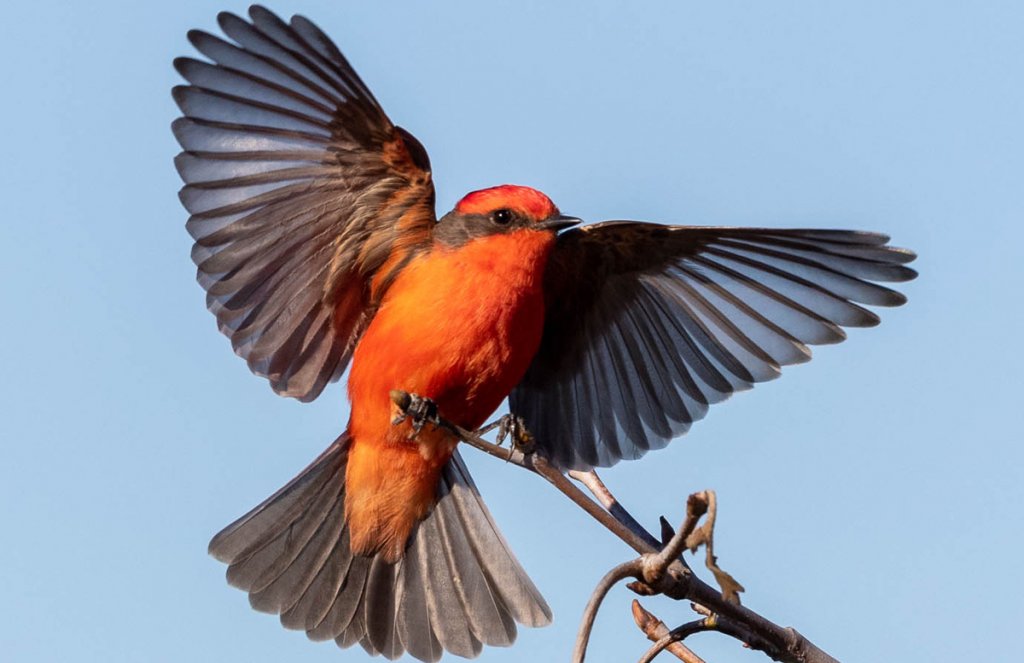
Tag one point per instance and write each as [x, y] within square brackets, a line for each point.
[460, 326]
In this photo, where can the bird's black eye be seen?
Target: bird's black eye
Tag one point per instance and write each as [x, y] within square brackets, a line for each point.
[502, 217]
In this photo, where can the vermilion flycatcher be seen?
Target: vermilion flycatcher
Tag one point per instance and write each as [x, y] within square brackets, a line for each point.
[318, 246]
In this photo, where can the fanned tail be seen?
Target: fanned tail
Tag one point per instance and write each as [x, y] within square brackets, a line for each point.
[457, 588]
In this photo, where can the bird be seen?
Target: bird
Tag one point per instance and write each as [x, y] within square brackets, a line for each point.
[318, 246]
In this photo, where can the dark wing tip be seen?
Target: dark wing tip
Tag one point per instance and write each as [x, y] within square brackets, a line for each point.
[904, 255]
[257, 11]
[906, 273]
[225, 19]
[181, 65]
[867, 319]
[179, 94]
[196, 36]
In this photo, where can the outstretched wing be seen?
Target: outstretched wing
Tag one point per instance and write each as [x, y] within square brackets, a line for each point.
[304, 198]
[648, 324]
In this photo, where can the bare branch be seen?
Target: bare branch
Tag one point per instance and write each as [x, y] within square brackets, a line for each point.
[539, 465]
[600, 491]
[739, 632]
[625, 570]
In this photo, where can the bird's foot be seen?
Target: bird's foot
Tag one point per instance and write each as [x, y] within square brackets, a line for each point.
[512, 426]
[419, 410]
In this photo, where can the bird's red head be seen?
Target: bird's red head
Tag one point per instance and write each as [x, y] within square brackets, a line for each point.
[523, 200]
[500, 210]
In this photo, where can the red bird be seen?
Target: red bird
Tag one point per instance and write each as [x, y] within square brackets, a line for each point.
[318, 246]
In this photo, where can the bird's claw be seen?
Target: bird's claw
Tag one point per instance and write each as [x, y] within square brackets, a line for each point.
[513, 427]
[419, 410]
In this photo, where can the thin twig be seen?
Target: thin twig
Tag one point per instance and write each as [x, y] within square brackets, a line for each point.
[539, 465]
[600, 491]
[677, 635]
[625, 570]
[655, 565]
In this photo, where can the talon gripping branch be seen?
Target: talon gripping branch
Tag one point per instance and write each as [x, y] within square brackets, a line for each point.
[318, 247]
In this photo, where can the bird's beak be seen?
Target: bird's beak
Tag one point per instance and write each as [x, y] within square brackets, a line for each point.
[560, 222]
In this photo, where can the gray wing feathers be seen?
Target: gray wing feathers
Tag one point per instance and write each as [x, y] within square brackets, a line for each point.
[652, 324]
[286, 170]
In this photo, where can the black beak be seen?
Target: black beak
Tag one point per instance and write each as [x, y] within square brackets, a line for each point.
[560, 222]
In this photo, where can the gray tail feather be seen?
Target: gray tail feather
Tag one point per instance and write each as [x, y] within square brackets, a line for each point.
[457, 588]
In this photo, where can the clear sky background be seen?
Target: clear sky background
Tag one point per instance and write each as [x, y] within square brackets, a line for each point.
[872, 498]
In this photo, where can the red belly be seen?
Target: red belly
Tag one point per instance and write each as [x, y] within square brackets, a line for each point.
[459, 327]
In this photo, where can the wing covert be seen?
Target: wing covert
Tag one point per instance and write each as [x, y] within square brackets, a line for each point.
[647, 325]
[302, 194]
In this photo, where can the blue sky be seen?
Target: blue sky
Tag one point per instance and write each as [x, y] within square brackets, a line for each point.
[871, 498]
